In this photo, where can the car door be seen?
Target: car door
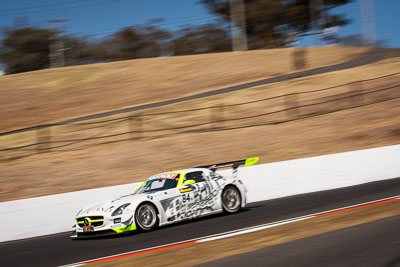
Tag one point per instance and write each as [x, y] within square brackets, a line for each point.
[182, 202]
[198, 196]
[189, 200]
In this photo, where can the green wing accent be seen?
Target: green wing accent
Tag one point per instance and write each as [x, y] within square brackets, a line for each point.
[125, 228]
[251, 161]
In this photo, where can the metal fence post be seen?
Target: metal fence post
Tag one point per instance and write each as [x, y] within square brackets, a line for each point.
[299, 58]
[135, 124]
[292, 106]
[43, 139]
[356, 89]
[217, 117]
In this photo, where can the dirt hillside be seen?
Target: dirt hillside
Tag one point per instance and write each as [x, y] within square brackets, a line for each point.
[280, 121]
[54, 94]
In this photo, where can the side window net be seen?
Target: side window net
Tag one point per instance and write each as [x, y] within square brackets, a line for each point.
[196, 176]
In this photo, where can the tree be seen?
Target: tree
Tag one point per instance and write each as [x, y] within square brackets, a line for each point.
[25, 49]
[208, 38]
[270, 23]
[123, 44]
[154, 39]
[79, 51]
[136, 42]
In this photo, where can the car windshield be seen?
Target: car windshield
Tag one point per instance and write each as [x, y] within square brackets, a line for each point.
[159, 182]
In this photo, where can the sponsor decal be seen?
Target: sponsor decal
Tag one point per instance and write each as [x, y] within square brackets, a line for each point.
[183, 190]
[187, 198]
[116, 225]
[105, 209]
[202, 205]
[150, 197]
[88, 229]
[165, 176]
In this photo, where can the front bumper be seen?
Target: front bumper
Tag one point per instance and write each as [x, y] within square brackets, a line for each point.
[81, 235]
[108, 227]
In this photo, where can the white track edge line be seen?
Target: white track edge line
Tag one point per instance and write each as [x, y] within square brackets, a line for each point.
[357, 205]
[251, 230]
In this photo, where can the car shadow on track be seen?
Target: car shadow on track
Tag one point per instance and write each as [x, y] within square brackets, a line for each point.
[181, 223]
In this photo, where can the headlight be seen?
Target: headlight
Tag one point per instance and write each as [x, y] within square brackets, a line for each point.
[120, 209]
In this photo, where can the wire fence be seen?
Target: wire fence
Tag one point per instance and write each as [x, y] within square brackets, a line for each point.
[273, 110]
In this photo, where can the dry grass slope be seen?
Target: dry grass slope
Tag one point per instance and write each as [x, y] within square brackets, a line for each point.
[51, 95]
[133, 157]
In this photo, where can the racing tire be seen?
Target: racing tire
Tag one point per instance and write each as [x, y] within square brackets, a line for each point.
[231, 199]
[146, 217]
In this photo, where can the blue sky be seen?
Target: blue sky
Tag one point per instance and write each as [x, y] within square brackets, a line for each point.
[99, 17]
[96, 18]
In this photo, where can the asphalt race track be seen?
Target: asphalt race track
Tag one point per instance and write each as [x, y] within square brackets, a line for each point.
[375, 244]
[60, 249]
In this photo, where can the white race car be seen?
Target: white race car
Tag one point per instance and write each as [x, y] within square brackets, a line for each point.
[167, 198]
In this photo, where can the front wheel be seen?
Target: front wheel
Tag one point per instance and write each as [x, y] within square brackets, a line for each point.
[231, 199]
[146, 217]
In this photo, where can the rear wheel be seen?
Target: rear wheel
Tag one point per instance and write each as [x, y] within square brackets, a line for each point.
[231, 199]
[146, 217]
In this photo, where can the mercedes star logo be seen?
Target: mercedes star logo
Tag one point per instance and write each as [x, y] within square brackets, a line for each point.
[87, 221]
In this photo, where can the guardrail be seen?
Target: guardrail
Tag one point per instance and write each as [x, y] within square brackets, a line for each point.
[70, 135]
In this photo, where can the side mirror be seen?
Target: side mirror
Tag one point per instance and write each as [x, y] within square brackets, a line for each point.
[189, 182]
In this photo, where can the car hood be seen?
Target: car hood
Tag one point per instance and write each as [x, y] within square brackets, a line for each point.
[110, 205]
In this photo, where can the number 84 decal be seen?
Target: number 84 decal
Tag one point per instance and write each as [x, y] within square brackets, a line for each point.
[187, 197]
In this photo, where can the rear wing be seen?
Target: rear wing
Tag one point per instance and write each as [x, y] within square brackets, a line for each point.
[233, 164]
